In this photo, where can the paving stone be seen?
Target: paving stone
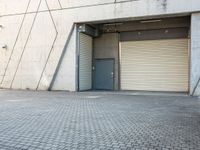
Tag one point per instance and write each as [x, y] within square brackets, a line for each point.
[98, 120]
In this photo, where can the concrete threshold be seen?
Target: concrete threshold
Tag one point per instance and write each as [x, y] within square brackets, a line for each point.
[138, 93]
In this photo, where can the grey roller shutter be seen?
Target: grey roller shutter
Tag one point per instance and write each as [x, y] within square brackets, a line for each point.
[85, 62]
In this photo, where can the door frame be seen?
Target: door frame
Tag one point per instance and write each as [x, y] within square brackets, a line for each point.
[94, 71]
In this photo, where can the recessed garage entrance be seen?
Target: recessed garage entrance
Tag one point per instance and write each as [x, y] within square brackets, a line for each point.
[150, 55]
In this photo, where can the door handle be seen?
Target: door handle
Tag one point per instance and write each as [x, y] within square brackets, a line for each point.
[112, 74]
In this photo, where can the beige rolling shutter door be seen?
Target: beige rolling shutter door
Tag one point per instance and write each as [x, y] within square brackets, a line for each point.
[156, 65]
[85, 62]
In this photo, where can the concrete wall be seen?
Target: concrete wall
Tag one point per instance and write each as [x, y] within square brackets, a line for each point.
[65, 78]
[36, 31]
[164, 23]
[195, 54]
[107, 46]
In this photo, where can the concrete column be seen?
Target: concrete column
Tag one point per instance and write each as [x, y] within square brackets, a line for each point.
[195, 55]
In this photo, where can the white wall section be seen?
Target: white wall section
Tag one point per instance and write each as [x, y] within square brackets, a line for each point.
[195, 54]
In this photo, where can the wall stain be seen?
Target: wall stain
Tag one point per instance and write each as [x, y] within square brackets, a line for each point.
[163, 4]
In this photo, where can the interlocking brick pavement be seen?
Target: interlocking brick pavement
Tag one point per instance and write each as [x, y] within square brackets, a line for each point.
[98, 121]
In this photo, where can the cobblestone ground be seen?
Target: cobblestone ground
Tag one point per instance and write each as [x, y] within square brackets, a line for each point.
[98, 120]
